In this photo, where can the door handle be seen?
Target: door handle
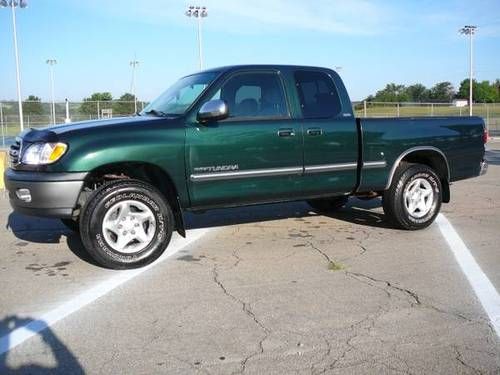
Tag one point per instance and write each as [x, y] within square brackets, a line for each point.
[286, 133]
[314, 131]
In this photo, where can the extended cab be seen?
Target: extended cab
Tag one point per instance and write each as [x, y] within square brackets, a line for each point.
[235, 136]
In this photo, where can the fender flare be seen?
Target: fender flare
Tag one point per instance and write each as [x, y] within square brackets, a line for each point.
[412, 150]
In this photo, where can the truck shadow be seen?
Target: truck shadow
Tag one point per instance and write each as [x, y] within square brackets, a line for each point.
[47, 231]
[65, 361]
[357, 211]
[361, 212]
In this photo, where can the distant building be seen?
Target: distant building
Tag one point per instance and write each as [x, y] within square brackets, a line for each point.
[460, 103]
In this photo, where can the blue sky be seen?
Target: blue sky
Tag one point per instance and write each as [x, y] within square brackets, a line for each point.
[375, 42]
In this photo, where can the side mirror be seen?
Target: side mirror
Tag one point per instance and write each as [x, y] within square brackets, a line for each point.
[213, 110]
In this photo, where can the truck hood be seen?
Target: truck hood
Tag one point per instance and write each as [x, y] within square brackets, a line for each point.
[51, 133]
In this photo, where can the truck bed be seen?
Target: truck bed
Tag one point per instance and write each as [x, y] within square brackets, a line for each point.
[459, 139]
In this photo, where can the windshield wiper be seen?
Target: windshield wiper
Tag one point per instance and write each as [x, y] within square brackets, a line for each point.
[156, 113]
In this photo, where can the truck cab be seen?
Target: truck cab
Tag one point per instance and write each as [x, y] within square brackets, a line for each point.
[288, 134]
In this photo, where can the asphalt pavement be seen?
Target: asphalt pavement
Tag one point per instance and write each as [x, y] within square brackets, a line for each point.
[274, 289]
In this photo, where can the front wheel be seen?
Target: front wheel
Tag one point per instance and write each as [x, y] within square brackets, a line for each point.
[126, 224]
[414, 198]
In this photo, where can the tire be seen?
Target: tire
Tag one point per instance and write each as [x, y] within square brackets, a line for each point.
[126, 224]
[414, 198]
[71, 224]
[328, 204]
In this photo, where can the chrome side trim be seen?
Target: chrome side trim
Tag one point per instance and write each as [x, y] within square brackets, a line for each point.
[409, 151]
[374, 164]
[330, 167]
[245, 174]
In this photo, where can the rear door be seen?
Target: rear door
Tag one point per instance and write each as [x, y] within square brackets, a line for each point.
[330, 135]
[253, 156]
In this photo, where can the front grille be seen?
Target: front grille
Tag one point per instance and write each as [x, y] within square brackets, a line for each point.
[15, 152]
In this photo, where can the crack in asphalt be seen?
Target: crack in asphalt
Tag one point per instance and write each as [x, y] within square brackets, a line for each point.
[321, 252]
[363, 249]
[238, 258]
[460, 359]
[246, 308]
[412, 295]
[415, 299]
[371, 318]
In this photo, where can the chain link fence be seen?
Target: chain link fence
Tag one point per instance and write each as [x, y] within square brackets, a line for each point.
[489, 111]
[39, 114]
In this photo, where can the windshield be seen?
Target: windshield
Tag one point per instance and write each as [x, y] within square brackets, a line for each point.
[179, 97]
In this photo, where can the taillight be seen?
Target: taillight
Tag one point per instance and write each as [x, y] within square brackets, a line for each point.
[485, 135]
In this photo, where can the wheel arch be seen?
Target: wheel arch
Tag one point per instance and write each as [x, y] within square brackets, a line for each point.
[430, 156]
[147, 172]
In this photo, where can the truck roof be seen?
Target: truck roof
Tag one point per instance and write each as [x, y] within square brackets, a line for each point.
[269, 66]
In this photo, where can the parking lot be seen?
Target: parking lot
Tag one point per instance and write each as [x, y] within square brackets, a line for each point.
[265, 289]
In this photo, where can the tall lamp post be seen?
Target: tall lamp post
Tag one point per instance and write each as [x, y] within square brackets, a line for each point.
[134, 63]
[199, 13]
[470, 31]
[51, 63]
[13, 4]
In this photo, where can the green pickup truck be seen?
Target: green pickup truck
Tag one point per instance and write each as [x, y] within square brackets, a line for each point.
[235, 136]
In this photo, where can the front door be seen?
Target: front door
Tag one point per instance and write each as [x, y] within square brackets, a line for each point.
[330, 136]
[253, 156]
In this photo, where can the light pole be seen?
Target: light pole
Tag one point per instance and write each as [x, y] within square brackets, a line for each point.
[199, 13]
[134, 63]
[51, 63]
[470, 30]
[13, 4]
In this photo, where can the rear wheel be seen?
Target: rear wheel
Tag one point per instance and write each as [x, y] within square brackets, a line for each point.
[414, 198]
[328, 204]
[126, 224]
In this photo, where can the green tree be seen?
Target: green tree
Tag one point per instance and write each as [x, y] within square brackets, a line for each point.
[497, 89]
[463, 90]
[124, 105]
[442, 92]
[482, 92]
[90, 104]
[418, 93]
[392, 93]
[33, 106]
[486, 92]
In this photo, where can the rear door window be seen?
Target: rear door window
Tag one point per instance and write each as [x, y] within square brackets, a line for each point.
[318, 95]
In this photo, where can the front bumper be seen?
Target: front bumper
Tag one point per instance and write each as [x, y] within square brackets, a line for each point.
[44, 194]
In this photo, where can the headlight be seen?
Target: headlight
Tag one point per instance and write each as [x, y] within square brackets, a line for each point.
[44, 153]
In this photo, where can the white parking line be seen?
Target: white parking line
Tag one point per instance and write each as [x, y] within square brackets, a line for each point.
[482, 286]
[19, 335]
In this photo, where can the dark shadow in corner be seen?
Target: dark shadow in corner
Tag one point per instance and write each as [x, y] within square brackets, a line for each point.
[357, 211]
[361, 212]
[42, 230]
[66, 362]
[247, 214]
